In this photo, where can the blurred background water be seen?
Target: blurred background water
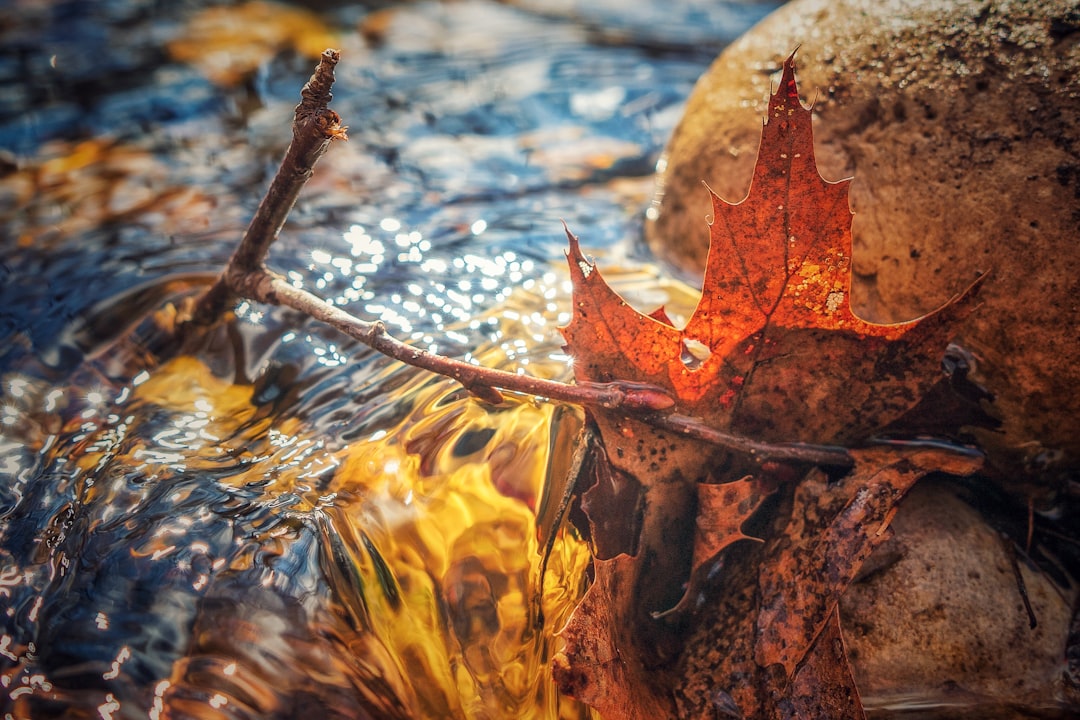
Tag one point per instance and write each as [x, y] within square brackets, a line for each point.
[284, 522]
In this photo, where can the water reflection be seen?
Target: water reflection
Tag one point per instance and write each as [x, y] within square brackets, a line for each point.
[396, 575]
[360, 538]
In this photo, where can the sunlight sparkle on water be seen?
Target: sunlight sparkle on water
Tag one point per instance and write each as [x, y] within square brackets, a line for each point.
[159, 703]
[31, 684]
[11, 577]
[5, 644]
[328, 355]
[96, 396]
[435, 265]
[438, 296]
[248, 313]
[121, 658]
[363, 244]
[54, 397]
[110, 706]
[18, 387]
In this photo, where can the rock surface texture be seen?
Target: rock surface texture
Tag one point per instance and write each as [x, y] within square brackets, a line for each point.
[939, 620]
[960, 122]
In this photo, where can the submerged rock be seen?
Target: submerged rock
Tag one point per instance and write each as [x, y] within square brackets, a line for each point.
[939, 621]
[959, 122]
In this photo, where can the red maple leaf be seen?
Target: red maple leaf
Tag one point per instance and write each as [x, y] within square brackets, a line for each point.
[773, 349]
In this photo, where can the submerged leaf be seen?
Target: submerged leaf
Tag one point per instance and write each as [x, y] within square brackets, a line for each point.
[833, 529]
[780, 603]
[594, 665]
[824, 685]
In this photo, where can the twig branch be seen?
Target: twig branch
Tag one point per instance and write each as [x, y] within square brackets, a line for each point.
[267, 287]
[825, 455]
[314, 126]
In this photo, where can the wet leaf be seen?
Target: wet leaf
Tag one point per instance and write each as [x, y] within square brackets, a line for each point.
[833, 529]
[773, 349]
[722, 510]
[823, 685]
[594, 666]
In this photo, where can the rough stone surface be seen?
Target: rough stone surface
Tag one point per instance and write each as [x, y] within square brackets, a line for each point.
[942, 621]
[960, 121]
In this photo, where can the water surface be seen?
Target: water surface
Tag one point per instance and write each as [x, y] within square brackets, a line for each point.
[284, 522]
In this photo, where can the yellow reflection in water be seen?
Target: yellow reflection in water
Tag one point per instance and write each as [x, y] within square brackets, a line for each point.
[427, 527]
[458, 533]
[436, 516]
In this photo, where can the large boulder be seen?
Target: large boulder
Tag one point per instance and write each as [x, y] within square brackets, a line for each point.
[960, 122]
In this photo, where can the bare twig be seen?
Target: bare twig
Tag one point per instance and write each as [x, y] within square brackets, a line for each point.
[314, 126]
[266, 287]
[826, 455]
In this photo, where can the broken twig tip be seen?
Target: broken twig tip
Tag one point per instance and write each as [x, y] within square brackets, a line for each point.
[316, 93]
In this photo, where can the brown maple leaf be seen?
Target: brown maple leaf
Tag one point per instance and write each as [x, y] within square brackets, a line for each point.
[599, 664]
[772, 351]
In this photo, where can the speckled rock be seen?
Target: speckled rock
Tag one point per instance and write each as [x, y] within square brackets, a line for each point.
[941, 621]
[960, 122]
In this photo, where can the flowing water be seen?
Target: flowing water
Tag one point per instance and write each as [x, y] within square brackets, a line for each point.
[283, 522]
